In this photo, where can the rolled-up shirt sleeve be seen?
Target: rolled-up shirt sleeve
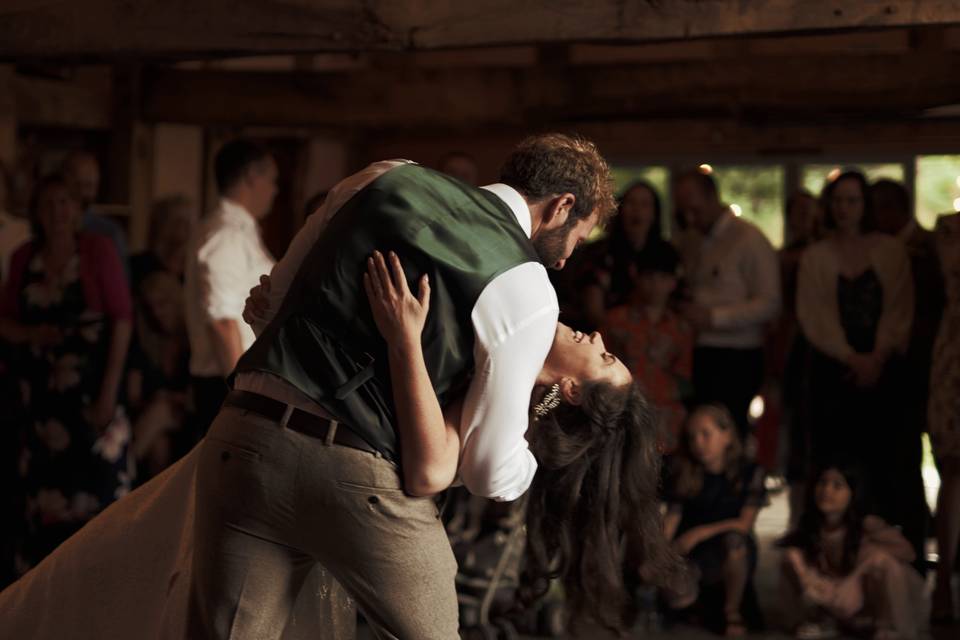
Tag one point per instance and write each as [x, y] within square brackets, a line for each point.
[515, 320]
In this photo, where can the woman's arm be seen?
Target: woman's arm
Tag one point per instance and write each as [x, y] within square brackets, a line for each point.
[430, 446]
[817, 309]
[670, 523]
[743, 524]
[896, 319]
[880, 535]
[100, 414]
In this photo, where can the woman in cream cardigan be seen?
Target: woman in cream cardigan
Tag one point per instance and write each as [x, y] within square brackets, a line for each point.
[855, 307]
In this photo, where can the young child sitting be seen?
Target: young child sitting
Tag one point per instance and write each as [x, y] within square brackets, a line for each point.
[653, 341]
[841, 566]
[713, 496]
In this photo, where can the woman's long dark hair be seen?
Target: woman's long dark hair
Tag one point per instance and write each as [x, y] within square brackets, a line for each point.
[597, 481]
[868, 222]
[807, 535]
[620, 253]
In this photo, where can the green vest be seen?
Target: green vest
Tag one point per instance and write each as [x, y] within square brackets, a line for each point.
[323, 339]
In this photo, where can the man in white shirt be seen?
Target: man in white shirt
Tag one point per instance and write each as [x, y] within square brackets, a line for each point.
[735, 293]
[225, 256]
[387, 548]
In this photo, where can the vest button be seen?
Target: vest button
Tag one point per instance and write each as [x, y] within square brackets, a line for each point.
[373, 499]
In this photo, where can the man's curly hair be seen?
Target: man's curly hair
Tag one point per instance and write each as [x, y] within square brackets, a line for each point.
[549, 164]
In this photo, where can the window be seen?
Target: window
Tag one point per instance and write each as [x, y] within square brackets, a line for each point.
[937, 187]
[814, 177]
[755, 193]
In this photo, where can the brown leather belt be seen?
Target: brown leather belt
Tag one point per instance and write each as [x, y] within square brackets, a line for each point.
[299, 420]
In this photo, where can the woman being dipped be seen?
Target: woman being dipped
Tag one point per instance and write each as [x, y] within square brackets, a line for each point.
[592, 433]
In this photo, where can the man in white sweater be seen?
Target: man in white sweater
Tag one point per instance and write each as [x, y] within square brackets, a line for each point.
[734, 293]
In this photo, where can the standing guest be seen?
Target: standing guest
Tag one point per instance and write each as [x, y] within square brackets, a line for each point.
[734, 295]
[462, 166]
[713, 497]
[855, 307]
[944, 417]
[225, 258]
[841, 564]
[891, 205]
[894, 216]
[171, 220]
[789, 350]
[158, 375]
[14, 231]
[606, 265]
[82, 173]
[653, 341]
[66, 304]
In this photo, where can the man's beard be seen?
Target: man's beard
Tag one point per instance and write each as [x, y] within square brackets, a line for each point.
[551, 245]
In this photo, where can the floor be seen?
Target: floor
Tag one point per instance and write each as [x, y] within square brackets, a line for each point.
[771, 524]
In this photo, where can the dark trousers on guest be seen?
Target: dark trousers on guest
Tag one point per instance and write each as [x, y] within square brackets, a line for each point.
[731, 377]
[208, 395]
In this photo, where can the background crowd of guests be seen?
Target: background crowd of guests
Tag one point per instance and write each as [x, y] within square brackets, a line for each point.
[849, 335]
[112, 366]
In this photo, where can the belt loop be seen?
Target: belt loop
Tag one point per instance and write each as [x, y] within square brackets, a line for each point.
[286, 416]
[331, 433]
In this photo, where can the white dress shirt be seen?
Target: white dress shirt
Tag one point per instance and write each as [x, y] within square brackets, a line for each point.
[225, 258]
[736, 277]
[514, 321]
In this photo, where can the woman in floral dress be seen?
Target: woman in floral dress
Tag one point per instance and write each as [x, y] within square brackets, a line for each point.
[67, 308]
[944, 416]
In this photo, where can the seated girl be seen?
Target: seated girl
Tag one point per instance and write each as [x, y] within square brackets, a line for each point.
[844, 567]
[713, 496]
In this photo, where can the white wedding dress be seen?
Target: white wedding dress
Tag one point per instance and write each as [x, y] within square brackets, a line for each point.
[126, 574]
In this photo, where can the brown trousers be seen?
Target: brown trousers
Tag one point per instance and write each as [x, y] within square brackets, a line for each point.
[272, 503]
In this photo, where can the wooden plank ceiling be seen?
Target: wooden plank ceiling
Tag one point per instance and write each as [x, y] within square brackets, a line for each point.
[189, 28]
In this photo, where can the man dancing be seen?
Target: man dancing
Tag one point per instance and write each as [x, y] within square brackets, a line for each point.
[304, 464]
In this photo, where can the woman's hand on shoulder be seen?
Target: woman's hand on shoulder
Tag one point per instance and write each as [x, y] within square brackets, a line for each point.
[400, 316]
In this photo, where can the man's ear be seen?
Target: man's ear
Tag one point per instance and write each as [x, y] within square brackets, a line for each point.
[570, 390]
[558, 210]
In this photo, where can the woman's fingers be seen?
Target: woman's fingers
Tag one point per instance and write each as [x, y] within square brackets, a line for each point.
[374, 277]
[424, 296]
[382, 272]
[399, 279]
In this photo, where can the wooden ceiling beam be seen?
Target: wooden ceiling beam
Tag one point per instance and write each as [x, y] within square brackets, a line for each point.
[755, 88]
[184, 29]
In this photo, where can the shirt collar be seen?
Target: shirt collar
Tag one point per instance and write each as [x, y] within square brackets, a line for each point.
[512, 198]
[237, 213]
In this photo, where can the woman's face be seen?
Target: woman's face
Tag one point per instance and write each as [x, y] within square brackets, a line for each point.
[846, 203]
[584, 358]
[637, 213]
[708, 440]
[832, 493]
[57, 212]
